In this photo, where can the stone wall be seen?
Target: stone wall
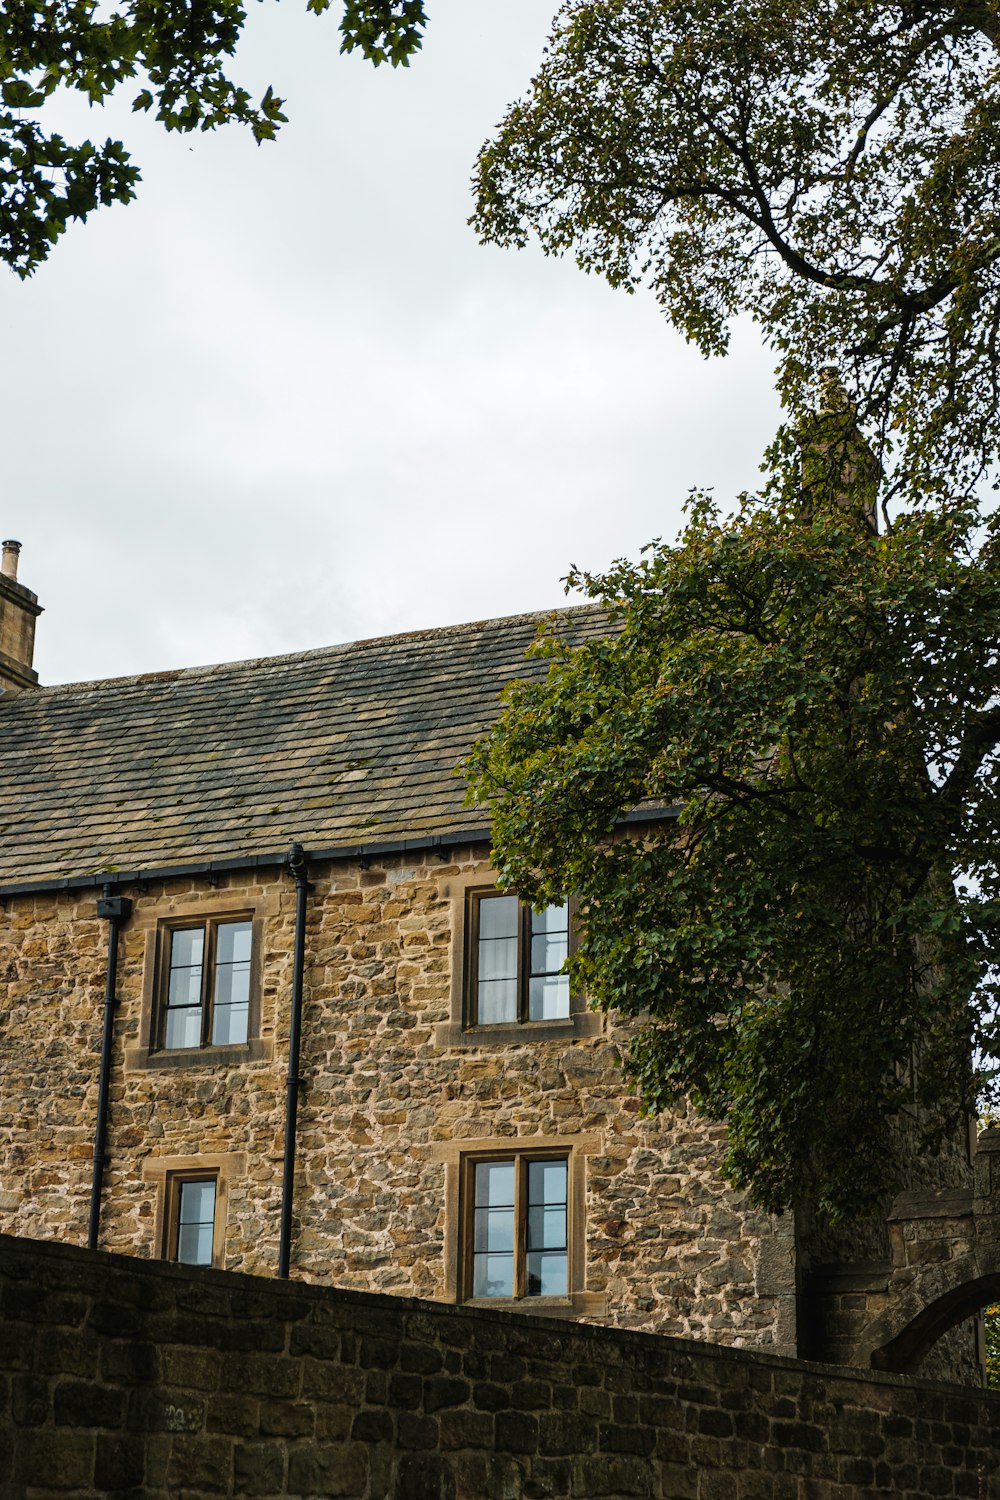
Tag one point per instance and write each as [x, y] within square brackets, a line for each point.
[389, 1102]
[119, 1377]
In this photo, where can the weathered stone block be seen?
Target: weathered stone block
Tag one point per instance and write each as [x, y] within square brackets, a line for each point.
[81, 1404]
[292, 1419]
[372, 1427]
[52, 1460]
[421, 1477]
[440, 1391]
[598, 1476]
[258, 1468]
[120, 1463]
[414, 1431]
[236, 1415]
[31, 1400]
[201, 1462]
[566, 1433]
[616, 1439]
[516, 1433]
[336, 1474]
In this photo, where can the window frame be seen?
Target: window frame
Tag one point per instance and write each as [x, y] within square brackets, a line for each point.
[175, 1182]
[209, 922]
[158, 922]
[521, 1161]
[459, 1030]
[458, 1159]
[474, 899]
[164, 1175]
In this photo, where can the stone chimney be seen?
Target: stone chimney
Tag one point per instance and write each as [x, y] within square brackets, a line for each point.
[19, 609]
[839, 469]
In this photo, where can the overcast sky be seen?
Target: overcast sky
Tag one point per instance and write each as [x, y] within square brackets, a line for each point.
[285, 399]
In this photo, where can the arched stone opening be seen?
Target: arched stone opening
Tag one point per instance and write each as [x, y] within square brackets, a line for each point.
[903, 1352]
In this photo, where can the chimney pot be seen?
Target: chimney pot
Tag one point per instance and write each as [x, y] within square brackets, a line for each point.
[11, 553]
[19, 608]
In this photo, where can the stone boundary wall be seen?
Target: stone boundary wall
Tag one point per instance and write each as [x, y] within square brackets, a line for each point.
[129, 1378]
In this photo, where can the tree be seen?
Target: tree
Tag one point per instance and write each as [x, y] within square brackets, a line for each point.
[832, 169]
[992, 1318]
[177, 51]
[816, 705]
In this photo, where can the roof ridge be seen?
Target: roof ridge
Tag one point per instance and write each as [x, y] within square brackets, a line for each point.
[291, 658]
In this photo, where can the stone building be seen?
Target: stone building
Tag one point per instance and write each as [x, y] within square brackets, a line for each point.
[263, 1007]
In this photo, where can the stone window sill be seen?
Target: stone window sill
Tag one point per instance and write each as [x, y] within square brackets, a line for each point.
[586, 1023]
[258, 1050]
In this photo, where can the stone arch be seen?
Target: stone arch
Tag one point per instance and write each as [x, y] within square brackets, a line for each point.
[902, 1349]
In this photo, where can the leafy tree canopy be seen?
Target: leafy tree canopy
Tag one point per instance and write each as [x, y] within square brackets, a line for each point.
[808, 944]
[830, 166]
[176, 51]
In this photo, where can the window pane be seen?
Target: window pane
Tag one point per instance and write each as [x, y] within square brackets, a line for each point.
[547, 1275]
[187, 947]
[232, 984]
[498, 916]
[493, 1276]
[496, 1001]
[546, 1183]
[552, 919]
[232, 942]
[548, 999]
[547, 1228]
[195, 1222]
[185, 986]
[494, 1230]
[183, 1028]
[230, 1024]
[497, 958]
[194, 1244]
[494, 1184]
[197, 1203]
[548, 952]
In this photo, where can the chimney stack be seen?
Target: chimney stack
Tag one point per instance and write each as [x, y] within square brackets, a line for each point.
[19, 609]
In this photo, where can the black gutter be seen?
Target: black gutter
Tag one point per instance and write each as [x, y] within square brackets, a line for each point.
[296, 862]
[115, 910]
[269, 861]
[228, 864]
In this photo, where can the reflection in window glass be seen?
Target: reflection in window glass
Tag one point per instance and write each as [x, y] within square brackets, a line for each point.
[497, 973]
[183, 1010]
[493, 1230]
[231, 1000]
[548, 990]
[195, 1222]
[207, 998]
[518, 962]
[546, 1239]
[519, 1228]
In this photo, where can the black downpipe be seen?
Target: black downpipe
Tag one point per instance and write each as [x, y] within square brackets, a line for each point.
[297, 865]
[115, 910]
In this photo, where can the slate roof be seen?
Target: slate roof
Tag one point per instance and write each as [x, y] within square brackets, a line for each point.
[346, 746]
